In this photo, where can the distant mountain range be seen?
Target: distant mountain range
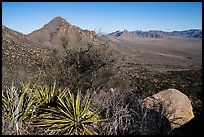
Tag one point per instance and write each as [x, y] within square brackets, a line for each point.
[127, 35]
[51, 34]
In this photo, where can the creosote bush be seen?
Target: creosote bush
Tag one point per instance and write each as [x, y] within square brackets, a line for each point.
[92, 67]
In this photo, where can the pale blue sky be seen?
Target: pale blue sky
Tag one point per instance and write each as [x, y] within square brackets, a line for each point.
[26, 17]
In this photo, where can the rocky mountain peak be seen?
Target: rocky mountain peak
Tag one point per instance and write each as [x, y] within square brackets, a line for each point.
[59, 19]
[57, 22]
[50, 34]
[125, 31]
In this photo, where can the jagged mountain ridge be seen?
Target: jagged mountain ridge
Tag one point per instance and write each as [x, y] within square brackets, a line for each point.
[192, 33]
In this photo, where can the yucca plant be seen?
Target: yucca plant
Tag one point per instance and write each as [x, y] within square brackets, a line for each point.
[17, 108]
[44, 94]
[70, 116]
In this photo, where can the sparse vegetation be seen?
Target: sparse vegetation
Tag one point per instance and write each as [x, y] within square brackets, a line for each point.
[129, 116]
[49, 91]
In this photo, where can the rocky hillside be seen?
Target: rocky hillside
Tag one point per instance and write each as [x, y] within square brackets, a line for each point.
[15, 36]
[25, 56]
[20, 56]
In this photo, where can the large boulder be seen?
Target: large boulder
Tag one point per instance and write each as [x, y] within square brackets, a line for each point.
[173, 104]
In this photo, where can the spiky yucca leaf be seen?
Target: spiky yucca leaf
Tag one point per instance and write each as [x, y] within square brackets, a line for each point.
[70, 116]
[43, 93]
[17, 107]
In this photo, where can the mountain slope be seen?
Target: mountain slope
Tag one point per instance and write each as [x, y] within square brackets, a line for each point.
[51, 34]
[25, 56]
[17, 37]
[21, 58]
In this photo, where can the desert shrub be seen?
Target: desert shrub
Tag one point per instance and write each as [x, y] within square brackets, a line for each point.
[87, 69]
[92, 67]
[128, 115]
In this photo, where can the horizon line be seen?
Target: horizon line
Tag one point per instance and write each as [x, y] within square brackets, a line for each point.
[112, 31]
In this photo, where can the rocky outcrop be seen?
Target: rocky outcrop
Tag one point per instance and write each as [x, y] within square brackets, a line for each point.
[173, 104]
